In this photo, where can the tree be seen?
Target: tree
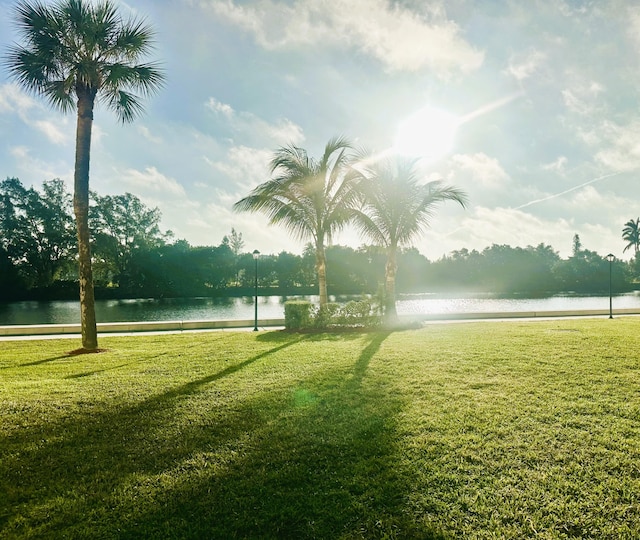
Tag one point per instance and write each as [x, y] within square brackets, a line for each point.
[122, 227]
[312, 199]
[631, 235]
[576, 245]
[234, 241]
[37, 229]
[397, 207]
[74, 54]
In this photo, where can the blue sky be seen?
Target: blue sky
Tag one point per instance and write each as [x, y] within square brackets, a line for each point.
[543, 96]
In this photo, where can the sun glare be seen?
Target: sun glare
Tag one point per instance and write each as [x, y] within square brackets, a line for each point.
[428, 134]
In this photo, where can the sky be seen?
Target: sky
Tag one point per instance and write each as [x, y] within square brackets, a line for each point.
[532, 108]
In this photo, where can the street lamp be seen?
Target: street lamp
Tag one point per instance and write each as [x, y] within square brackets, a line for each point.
[256, 254]
[610, 258]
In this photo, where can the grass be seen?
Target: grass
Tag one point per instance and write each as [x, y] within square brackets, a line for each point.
[477, 430]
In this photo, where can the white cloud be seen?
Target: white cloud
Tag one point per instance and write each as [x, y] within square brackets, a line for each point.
[249, 126]
[481, 169]
[146, 133]
[487, 226]
[14, 101]
[399, 38]
[51, 131]
[219, 107]
[36, 169]
[620, 143]
[152, 182]
[559, 166]
[522, 67]
[247, 167]
[582, 99]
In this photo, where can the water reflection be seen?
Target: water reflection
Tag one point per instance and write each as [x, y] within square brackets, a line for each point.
[272, 307]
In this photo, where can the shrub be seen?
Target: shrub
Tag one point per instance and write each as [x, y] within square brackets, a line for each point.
[359, 313]
[297, 314]
[325, 315]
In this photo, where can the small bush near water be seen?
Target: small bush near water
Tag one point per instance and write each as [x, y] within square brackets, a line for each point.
[300, 315]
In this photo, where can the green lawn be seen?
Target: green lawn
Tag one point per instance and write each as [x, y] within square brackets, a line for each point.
[476, 430]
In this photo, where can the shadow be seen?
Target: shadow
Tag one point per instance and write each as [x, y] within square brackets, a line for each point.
[366, 355]
[193, 386]
[39, 362]
[94, 372]
[205, 460]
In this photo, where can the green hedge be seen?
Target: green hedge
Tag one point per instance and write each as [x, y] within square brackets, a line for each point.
[300, 314]
[297, 314]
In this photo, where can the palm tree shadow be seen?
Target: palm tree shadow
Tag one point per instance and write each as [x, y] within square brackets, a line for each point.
[192, 386]
[44, 361]
[365, 357]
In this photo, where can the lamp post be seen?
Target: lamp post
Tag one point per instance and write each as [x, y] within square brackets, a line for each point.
[256, 254]
[610, 258]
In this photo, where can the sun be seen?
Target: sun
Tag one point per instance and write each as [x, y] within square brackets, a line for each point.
[428, 134]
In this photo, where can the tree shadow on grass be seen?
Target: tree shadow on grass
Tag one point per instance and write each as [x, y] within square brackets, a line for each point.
[268, 466]
[39, 362]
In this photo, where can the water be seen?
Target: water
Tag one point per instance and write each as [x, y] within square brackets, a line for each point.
[272, 307]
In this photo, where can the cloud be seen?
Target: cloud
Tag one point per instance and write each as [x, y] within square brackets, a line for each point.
[219, 107]
[522, 67]
[245, 166]
[14, 101]
[51, 131]
[152, 182]
[37, 169]
[146, 133]
[559, 166]
[481, 169]
[621, 145]
[582, 99]
[249, 126]
[403, 40]
[488, 226]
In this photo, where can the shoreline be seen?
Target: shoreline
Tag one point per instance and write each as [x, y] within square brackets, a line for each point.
[42, 331]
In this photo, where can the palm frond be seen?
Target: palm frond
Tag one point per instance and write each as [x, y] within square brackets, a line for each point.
[75, 44]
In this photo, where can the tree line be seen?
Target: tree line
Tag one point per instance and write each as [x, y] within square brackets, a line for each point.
[133, 257]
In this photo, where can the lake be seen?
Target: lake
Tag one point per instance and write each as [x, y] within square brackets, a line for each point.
[272, 307]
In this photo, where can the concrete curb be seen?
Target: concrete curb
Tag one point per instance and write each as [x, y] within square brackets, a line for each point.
[181, 326]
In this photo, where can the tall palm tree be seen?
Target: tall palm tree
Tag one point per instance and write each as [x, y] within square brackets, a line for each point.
[77, 53]
[631, 234]
[397, 207]
[313, 199]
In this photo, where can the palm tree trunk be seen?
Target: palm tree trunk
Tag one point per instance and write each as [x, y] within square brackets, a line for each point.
[81, 211]
[321, 269]
[391, 267]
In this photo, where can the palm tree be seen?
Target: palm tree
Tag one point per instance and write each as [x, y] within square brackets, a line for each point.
[76, 53]
[631, 234]
[312, 199]
[396, 207]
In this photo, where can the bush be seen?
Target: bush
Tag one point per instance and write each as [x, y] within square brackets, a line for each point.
[359, 313]
[297, 314]
[325, 315]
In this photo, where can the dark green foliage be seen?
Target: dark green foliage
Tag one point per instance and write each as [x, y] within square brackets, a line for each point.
[133, 258]
[355, 313]
[37, 232]
[325, 315]
[297, 314]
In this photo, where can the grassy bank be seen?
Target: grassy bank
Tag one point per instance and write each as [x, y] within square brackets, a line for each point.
[490, 430]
